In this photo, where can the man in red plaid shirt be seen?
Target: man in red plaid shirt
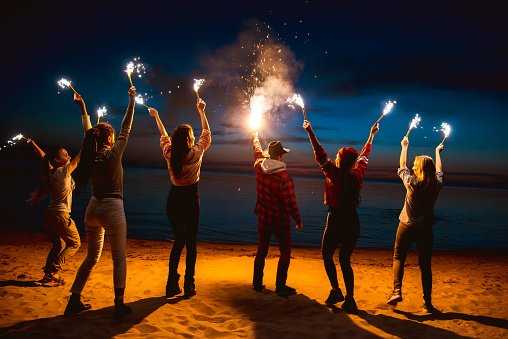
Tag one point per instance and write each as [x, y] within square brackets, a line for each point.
[276, 204]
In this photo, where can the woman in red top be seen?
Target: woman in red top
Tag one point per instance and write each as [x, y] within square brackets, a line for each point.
[344, 180]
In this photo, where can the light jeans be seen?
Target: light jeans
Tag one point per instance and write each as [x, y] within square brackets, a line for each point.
[104, 216]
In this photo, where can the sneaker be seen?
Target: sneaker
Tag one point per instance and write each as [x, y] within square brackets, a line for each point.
[75, 306]
[429, 308]
[259, 288]
[121, 310]
[52, 278]
[285, 291]
[350, 305]
[334, 297]
[395, 297]
[189, 291]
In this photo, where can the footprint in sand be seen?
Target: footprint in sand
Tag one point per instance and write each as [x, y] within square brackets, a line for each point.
[146, 328]
[202, 308]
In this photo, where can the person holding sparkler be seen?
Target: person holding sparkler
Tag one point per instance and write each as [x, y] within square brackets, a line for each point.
[182, 208]
[344, 180]
[416, 220]
[101, 163]
[56, 178]
[276, 204]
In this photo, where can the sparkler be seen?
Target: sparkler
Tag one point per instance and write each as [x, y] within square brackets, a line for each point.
[414, 123]
[140, 100]
[256, 111]
[446, 131]
[388, 108]
[101, 112]
[129, 70]
[197, 84]
[297, 99]
[135, 66]
[64, 83]
[12, 142]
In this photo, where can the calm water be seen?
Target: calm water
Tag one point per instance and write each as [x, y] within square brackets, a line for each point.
[466, 217]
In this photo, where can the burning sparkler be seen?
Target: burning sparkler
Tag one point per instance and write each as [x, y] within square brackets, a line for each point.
[64, 83]
[140, 100]
[101, 111]
[197, 84]
[414, 123]
[297, 99]
[446, 131]
[12, 142]
[135, 66]
[388, 108]
[256, 111]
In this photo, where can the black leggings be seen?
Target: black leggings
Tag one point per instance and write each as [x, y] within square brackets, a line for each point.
[182, 209]
[342, 227]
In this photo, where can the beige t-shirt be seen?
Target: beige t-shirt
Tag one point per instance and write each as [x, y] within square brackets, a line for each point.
[192, 162]
[61, 186]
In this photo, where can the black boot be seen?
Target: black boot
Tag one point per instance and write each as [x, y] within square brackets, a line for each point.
[189, 290]
[172, 287]
[75, 306]
[121, 310]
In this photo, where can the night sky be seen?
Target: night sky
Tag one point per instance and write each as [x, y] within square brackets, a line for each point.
[446, 62]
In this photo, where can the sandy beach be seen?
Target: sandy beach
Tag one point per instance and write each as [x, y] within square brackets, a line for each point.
[470, 287]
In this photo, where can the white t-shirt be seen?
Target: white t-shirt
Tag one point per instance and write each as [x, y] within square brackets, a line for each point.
[61, 185]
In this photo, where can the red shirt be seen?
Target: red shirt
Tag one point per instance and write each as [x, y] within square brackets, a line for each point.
[340, 192]
[276, 200]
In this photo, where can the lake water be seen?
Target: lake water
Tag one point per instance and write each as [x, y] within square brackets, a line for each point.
[466, 217]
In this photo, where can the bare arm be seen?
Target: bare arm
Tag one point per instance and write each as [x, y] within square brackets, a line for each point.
[74, 163]
[439, 165]
[153, 112]
[374, 129]
[84, 116]
[201, 109]
[403, 153]
[37, 149]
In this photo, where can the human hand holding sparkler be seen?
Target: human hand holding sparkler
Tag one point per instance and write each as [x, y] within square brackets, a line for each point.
[307, 126]
[201, 105]
[132, 93]
[405, 142]
[79, 100]
[373, 130]
[439, 148]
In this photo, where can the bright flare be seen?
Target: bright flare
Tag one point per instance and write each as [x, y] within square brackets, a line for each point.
[129, 70]
[297, 99]
[197, 84]
[64, 83]
[140, 100]
[414, 123]
[388, 108]
[101, 112]
[256, 111]
[446, 131]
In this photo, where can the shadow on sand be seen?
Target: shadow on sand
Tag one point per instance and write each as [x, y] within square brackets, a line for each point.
[93, 324]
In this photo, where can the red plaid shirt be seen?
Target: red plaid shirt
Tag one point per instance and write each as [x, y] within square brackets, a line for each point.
[276, 200]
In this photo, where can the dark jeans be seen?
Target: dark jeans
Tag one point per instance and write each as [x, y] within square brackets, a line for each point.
[424, 238]
[342, 227]
[183, 210]
[64, 236]
[284, 239]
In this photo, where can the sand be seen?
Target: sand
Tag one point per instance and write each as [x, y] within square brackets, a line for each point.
[471, 287]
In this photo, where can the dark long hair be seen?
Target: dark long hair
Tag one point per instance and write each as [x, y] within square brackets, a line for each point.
[180, 140]
[95, 138]
[42, 190]
[350, 196]
[425, 172]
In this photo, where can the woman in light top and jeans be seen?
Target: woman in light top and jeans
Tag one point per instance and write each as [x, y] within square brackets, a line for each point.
[101, 162]
[416, 220]
[184, 163]
[56, 178]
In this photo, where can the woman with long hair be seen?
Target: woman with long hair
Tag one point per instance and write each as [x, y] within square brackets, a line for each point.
[101, 163]
[416, 220]
[344, 179]
[182, 208]
[56, 178]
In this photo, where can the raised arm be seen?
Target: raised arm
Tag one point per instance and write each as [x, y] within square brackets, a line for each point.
[439, 165]
[201, 109]
[403, 153]
[256, 146]
[374, 129]
[312, 136]
[153, 112]
[74, 163]
[85, 118]
[37, 149]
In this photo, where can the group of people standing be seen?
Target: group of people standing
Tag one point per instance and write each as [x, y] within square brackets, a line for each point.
[100, 162]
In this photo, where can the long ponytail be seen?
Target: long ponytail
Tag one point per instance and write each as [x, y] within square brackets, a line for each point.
[42, 190]
[180, 140]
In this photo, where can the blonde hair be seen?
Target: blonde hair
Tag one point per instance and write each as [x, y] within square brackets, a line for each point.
[425, 172]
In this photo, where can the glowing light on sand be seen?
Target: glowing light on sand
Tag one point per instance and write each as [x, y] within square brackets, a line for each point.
[297, 99]
[388, 108]
[414, 123]
[64, 83]
[101, 111]
[197, 84]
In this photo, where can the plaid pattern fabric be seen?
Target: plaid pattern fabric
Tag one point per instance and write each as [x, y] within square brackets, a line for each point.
[276, 200]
